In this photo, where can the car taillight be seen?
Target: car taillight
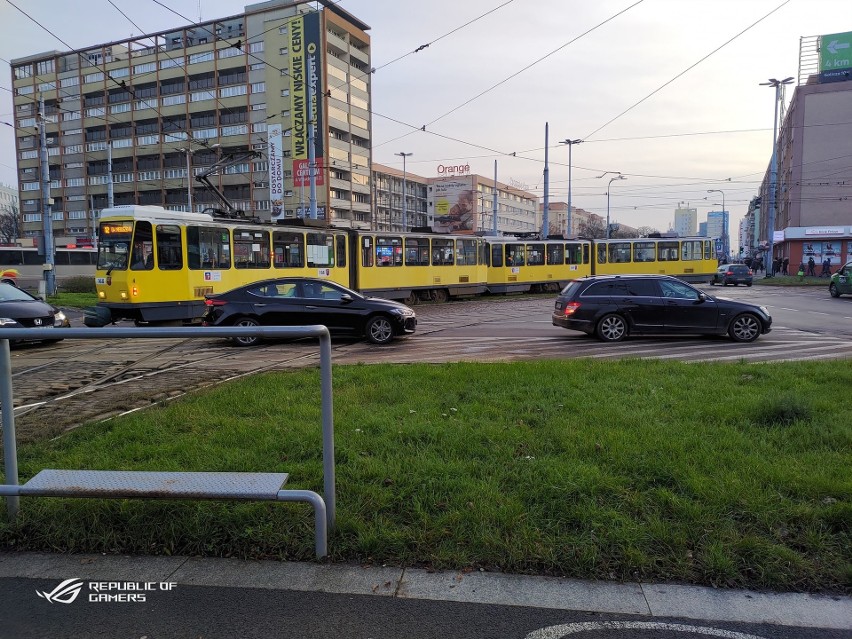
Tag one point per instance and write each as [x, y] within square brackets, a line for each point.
[571, 307]
[750, 273]
[729, 273]
[214, 302]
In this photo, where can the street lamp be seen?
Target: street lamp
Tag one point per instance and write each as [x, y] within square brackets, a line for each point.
[188, 151]
[404, 202]
[724, 221]
[617, 177]
[773, 171]
[570, 144]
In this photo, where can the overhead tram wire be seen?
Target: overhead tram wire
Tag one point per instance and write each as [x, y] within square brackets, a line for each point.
[685, 71]
[532, 64]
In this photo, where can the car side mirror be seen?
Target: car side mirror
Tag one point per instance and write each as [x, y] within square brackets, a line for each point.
[346, 298]
[702, 297]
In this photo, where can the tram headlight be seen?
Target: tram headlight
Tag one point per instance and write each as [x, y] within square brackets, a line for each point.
[123, 295]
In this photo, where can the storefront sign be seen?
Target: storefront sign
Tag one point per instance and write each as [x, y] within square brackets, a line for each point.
[824, 231]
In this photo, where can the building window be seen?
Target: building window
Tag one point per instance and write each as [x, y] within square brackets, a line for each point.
[282, 51]
[44, 67]
[201, 57]
[256, 47]
[258, 87]
[285, 93]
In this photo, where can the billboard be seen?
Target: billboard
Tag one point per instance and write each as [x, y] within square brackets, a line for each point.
[305, 69]
[835, 52]
[276, 170]
[455, 206]
[822, 250]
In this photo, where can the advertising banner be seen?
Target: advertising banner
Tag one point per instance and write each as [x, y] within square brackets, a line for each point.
[821, 251]
[455, 206]
[305, 45]
[276, 170]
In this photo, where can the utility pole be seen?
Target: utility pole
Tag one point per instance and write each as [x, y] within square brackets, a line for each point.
[110, 193]
[494, 201]
[545, 221]
[773, 171]
[47, 203]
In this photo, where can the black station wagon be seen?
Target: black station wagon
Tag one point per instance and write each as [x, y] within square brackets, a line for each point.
[613, 307]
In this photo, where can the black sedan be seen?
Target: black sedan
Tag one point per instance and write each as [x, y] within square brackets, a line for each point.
[19, 309]
[613, 307]
[299, 301]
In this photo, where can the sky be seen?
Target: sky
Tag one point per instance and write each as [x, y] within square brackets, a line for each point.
[665, 92]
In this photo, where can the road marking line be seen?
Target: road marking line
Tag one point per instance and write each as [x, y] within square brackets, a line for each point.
[557, 632]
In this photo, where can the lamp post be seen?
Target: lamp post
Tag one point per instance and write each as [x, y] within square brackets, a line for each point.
[617, 177]
[773, 171]
[404, 202]
[570, 143]
[188, 151]
[724, 221]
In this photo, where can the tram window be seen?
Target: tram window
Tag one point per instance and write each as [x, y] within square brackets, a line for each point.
[515, 255]
[366, 251]
[619, 252]
[555, 254]
[77, 259]
[644, 251]
[11, 257]
[466, 252]
[587, 250]
[142, 258]
[691, 250]
[288, 249]
[32, 258]
[251, 249]
[708, 250]
[574, 254]
[389, 251]
[341, 250]
[416, 251]
[601, 253]
[667, 251]
[207, 247]
[320, 250]
[442, 252]
[535, 254]
[60, 258]
[496, 255]
[169, 249]
[482, 252]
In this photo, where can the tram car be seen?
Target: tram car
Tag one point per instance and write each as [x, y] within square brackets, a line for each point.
[687, 258]
[538, 266]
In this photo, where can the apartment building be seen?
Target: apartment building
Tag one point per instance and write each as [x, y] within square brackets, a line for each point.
[236, 92]
[388, 184]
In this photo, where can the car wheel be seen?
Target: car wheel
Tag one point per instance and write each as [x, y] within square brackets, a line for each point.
[835, 292]
[246, 340]
[379, 330]
[745, 328]
[748, 284]
[611, 328]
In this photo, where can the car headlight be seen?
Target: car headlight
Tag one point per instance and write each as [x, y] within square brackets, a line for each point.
[7, 321]
[402, 312]
[59, 319]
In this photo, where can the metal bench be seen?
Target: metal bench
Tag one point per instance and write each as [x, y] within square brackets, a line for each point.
[111, 484]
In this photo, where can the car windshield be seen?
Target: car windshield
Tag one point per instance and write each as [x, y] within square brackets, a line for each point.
[9, 293]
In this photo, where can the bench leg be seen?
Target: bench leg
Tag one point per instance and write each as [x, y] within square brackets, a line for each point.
[320, 523]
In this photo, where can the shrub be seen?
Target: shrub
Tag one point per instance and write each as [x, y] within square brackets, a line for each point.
[80, 284]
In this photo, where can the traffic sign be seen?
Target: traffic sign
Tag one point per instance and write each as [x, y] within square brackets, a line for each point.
[835, 51]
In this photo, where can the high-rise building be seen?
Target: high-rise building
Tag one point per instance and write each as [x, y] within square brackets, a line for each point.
[388, 197]
[685, 221]
[718, 228]
[168, 106]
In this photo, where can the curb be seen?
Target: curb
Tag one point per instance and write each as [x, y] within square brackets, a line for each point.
[650, 600]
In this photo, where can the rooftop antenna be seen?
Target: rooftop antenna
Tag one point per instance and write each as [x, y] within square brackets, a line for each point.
[199, 10]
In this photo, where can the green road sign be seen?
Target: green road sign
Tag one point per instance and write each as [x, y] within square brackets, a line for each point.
[835, 51]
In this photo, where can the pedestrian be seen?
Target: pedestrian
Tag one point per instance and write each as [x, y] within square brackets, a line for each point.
[811, 266]
[801, 271]
[826, 268]
[784, 266]
[776, 266]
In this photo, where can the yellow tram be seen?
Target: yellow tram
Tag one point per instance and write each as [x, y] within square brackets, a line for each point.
[688, 258]
[156, 265]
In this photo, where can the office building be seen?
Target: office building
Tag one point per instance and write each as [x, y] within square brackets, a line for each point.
[388, 198]
[168, 106]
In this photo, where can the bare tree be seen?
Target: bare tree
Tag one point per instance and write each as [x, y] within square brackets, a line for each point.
[645, 231]
[593, 228]
[10, 224]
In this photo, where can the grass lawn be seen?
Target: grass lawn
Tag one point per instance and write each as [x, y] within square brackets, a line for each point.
[724, 474]
[792, 280]
[73, 300]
